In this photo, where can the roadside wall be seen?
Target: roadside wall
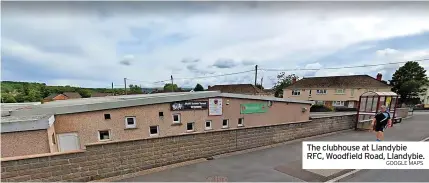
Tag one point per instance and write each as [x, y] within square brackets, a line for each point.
[100, 161]
[24, 143]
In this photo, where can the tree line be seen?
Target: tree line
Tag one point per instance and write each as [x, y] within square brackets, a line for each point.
[18, 92]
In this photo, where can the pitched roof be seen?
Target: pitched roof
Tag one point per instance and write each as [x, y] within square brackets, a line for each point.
[352, 81]
[51, 96]
[237, 88]
[72, 95]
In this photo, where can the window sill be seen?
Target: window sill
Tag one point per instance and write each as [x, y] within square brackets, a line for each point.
[190, 131]
[208, 129]
[225, 127]
[131, 128]
[176, 124]
[154, 135]
[240, 126]
[106, 140]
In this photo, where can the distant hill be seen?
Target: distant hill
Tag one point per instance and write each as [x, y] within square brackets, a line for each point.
[14, 91]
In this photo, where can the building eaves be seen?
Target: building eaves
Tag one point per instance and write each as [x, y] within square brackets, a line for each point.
[265, 98]
[26, 123]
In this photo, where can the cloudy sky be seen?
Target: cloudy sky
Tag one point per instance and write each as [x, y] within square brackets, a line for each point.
[91, 44]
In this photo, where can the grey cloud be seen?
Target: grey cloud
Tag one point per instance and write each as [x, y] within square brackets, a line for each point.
[192, 67]
[248, 62]
[190, 60]
[225, 63]
[127, 60]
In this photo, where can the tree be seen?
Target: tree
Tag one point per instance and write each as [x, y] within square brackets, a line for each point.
[134, 89]
[169, 87]
[198, 87]
[7, 98]
[283, 81]
[408, 81]
[85, 93]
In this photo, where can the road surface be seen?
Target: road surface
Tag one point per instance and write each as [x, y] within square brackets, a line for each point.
[283, 163]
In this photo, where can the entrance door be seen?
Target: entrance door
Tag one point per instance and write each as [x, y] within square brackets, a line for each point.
[351, 104]
[68, 142]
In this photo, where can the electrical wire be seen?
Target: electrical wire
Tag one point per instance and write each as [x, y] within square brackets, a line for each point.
[346, 67]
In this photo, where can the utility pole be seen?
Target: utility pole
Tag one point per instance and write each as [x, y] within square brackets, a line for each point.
[125, 85]
[172, 84]
[113, 91]
[256, 73]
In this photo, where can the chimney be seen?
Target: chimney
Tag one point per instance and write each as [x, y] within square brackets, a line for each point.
[293, 80]
[379, 76]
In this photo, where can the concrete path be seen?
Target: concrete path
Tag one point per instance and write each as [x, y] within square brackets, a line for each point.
[283, 163]
[397, 175]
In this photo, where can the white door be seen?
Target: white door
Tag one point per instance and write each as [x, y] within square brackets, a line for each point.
[351, 104]
[68, 142]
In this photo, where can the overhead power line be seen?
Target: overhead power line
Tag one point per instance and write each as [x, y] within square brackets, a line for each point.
[198, 77]
[345, 67]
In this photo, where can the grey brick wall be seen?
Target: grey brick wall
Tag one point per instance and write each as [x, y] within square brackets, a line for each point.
[113, 159]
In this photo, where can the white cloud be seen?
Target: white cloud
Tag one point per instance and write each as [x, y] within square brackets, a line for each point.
[81, 42]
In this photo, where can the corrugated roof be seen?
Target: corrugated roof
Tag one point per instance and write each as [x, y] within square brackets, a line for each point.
[237, 88]
[72, 95]
[352, 81]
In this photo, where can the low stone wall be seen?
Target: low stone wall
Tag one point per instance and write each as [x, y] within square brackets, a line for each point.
[100, 161]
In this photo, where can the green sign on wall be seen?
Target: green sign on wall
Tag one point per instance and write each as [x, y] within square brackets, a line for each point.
[253, 108]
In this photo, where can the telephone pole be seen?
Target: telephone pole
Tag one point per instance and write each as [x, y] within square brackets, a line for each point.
[113, 91]
[256, 73]
[172, 84]
[125, 85]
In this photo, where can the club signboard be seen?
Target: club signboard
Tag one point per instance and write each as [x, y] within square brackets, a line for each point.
[251, 108]
[215, 107]
[189, 105]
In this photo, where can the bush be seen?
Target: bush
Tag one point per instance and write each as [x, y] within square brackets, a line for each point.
[320, 108]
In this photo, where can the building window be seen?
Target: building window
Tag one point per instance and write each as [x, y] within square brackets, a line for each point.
[53, 139]
[319, 102]
[240, 121]
[154, 130]
[340, 91]
[107, 116]
[321, 92]
[309, 93]
[130, 122]
[353, 92]
[225, 123]
[190, 127]
[338, 103]
[161, 114]
[208, 125]
[296, 92]
[104, 135]
[176, 118]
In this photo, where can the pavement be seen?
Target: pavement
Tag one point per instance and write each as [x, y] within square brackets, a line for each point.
[283, 163]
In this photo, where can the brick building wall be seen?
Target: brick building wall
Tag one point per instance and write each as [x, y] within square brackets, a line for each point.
[87, 124]
[24, 143]
[119, 158]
